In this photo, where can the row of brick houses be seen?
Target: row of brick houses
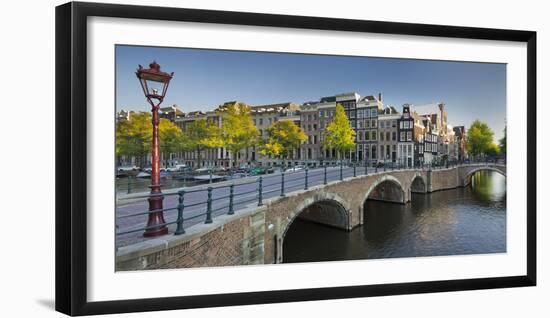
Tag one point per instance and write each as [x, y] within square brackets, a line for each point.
[416, 135]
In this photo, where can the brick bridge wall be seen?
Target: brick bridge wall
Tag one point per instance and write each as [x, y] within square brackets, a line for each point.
[255, 235]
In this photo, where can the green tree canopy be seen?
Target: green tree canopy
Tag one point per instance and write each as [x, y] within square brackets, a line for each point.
[284, 137]
[339, 135]
[502, 142]
[480, 138]
[133, 136]
[199, 135]
[238, 130]
[170, 137]
[493, 150]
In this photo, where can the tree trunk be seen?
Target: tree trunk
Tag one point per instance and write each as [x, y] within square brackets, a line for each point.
[199, 158]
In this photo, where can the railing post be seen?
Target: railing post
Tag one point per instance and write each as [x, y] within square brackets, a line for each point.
[341, 170]
[209, 207]
[325, 169]
[384, 164]
[231, 208]
[129, 184]
[260, 191]
[282, 184]
[355, 169]
[306, 185]
[210, 171]
[179, 221]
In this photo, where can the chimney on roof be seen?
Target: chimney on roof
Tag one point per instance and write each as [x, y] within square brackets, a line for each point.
[380, 97]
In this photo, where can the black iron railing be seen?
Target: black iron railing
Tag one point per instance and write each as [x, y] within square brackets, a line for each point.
[188, 205]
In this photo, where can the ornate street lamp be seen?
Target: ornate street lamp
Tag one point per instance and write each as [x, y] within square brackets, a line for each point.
[154, 83]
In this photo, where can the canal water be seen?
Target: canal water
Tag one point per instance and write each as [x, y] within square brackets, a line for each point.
[469, 220]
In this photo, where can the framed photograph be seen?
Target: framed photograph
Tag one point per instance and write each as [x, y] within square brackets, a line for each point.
[210, 158]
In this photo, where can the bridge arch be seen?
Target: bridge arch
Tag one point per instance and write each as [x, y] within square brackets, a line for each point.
[419, 184]
[387, 188]
[323, 208]
[468, 177]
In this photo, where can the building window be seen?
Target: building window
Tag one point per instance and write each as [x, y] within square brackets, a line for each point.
[382, 124]
[261, 121]
[388, 136]
[373, 123]
[367, 135]
[373, 135]
[394, 123]
[393, 136]
[409, 136]
[402, 136]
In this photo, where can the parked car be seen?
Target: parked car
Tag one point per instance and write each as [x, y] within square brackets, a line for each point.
[261, 170]
[295, 168]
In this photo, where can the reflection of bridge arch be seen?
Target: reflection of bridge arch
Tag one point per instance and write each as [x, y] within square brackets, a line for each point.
[468, 176]
[387, 188]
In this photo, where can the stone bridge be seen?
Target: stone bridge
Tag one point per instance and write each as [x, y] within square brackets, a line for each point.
[255, 235]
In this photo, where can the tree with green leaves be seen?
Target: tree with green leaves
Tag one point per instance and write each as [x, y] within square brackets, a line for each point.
[133, 137]
[199, 135]
[170, 138]
[493, 150]
[283, 137]
[502, 143]
[238, 131]
[339, 134]
[480, 138]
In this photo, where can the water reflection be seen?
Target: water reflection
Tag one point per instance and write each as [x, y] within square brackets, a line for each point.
[468, 220]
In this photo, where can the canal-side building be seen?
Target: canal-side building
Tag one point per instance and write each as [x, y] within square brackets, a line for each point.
[171, 113]
[293, 159]
[405, 145]
[326, 107]
[460, 135]
[369, 107]
[310, 150]
[387, 134]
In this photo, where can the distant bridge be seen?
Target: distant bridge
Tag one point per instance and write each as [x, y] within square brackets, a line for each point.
[254, 233]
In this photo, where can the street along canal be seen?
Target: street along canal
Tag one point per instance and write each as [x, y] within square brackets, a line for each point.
[470, 220]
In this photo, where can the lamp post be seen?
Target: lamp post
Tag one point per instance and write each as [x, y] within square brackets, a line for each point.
[154, 83]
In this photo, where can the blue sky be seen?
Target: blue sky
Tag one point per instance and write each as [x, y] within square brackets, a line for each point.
[204, 79]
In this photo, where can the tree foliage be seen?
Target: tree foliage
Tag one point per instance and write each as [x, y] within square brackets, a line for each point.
[199, 135]
[170, 137]
[134, 136]
[480, 138]
[238, 130]
[493, 150]
[284, 137]
[339, 134]
[502, 143]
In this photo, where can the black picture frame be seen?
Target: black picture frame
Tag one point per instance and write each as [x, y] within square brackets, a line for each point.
[71, 157]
